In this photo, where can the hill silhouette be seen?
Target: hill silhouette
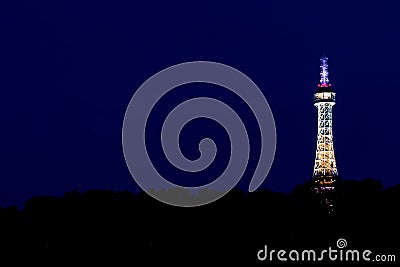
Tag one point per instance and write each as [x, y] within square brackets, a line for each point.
[101, 224]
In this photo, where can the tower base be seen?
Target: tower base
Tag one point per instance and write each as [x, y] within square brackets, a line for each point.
[324, 187]
[324, 183]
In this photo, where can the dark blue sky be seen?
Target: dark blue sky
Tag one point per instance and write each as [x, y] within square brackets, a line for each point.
[69, 68]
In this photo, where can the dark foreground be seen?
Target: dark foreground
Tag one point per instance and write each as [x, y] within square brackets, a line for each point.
[101, 225]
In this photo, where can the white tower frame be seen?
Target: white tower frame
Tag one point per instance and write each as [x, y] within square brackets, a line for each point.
[325, 170]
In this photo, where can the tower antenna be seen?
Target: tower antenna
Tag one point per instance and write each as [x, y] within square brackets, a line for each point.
[324, 81]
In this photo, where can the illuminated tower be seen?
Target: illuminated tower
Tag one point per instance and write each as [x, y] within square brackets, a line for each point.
[325, 172]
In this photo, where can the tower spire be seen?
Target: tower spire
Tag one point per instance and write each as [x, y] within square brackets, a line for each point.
[324, 81]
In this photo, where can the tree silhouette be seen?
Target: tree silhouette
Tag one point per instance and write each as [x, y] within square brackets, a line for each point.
[120, 224]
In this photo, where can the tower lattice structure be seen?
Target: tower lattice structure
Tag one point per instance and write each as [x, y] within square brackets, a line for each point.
[325, 172]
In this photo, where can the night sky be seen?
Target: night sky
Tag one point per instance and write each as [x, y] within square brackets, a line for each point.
[68, 70]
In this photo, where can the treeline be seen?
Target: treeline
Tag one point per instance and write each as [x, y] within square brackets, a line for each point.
[100, 224]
